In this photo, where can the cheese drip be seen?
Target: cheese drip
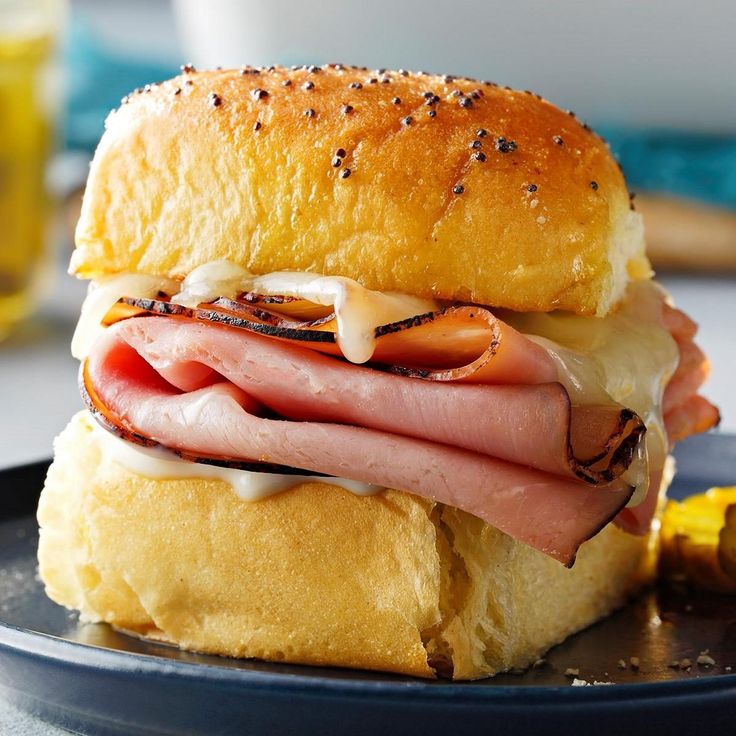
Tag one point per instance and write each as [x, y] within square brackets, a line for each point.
[161, 464]
[358, 311]
[102, 295]
[627, 357]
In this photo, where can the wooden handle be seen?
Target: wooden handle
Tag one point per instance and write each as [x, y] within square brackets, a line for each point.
[685, 235]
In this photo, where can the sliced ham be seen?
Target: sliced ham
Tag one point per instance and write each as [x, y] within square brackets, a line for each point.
[677, 323]
[459, 444]
[552, 514]
[461, 343]
[692, 371]
[694, 415]
[533, 425]
[685, 412]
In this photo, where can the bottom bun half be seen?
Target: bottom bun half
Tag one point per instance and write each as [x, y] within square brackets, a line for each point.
[314, 575]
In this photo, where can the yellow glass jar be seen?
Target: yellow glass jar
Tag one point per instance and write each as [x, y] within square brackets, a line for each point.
[29, 30]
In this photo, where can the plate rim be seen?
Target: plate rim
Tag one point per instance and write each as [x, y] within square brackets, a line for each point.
[18, 641]
[22, 642]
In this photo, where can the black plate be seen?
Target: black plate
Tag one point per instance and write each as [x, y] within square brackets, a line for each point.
[94, 680]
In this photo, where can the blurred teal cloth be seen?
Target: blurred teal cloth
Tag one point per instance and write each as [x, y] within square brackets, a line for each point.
[692, 165]
[97, 79]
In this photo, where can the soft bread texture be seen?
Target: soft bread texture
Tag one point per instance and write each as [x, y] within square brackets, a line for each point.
[500, 198]
[314, 575]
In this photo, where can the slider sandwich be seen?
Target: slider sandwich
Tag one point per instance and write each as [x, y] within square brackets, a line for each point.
[375, 375]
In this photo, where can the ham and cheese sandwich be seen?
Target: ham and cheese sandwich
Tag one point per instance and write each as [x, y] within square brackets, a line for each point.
[375, 375]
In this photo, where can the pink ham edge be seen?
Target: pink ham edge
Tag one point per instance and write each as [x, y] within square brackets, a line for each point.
[694, 415]
[678, 324]
[549, 513]
[525, 424]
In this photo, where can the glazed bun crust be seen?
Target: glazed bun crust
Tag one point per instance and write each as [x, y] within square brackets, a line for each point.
[428, 185]
[313, 575]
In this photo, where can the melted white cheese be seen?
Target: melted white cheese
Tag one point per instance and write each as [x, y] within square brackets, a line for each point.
[627, 356]
[358, 311]
[103, 295]
[160, 463]
[212, 280]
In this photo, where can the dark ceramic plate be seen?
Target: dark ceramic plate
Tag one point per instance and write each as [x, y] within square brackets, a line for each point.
[93, 680]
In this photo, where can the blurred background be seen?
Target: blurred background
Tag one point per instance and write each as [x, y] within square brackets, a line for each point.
[657, 79]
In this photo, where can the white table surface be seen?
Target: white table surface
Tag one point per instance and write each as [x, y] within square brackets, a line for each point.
[38, 376]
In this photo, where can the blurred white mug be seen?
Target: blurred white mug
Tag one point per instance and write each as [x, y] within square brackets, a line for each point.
[646, 63]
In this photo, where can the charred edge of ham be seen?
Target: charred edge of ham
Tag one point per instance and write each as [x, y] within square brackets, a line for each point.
[274, 318]
[416, 321]
[251, 465]
[262, 314]
[254, 298]
[443, 374]
[621, 451]
[201, 314]
[403, 370]
[99, 412]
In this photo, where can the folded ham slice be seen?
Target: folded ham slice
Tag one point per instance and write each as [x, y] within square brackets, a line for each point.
[385, 429]
[532, 425]
[459, 343]
[546, 511]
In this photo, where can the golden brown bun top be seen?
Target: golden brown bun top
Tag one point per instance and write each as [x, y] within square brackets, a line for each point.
[434, 186]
